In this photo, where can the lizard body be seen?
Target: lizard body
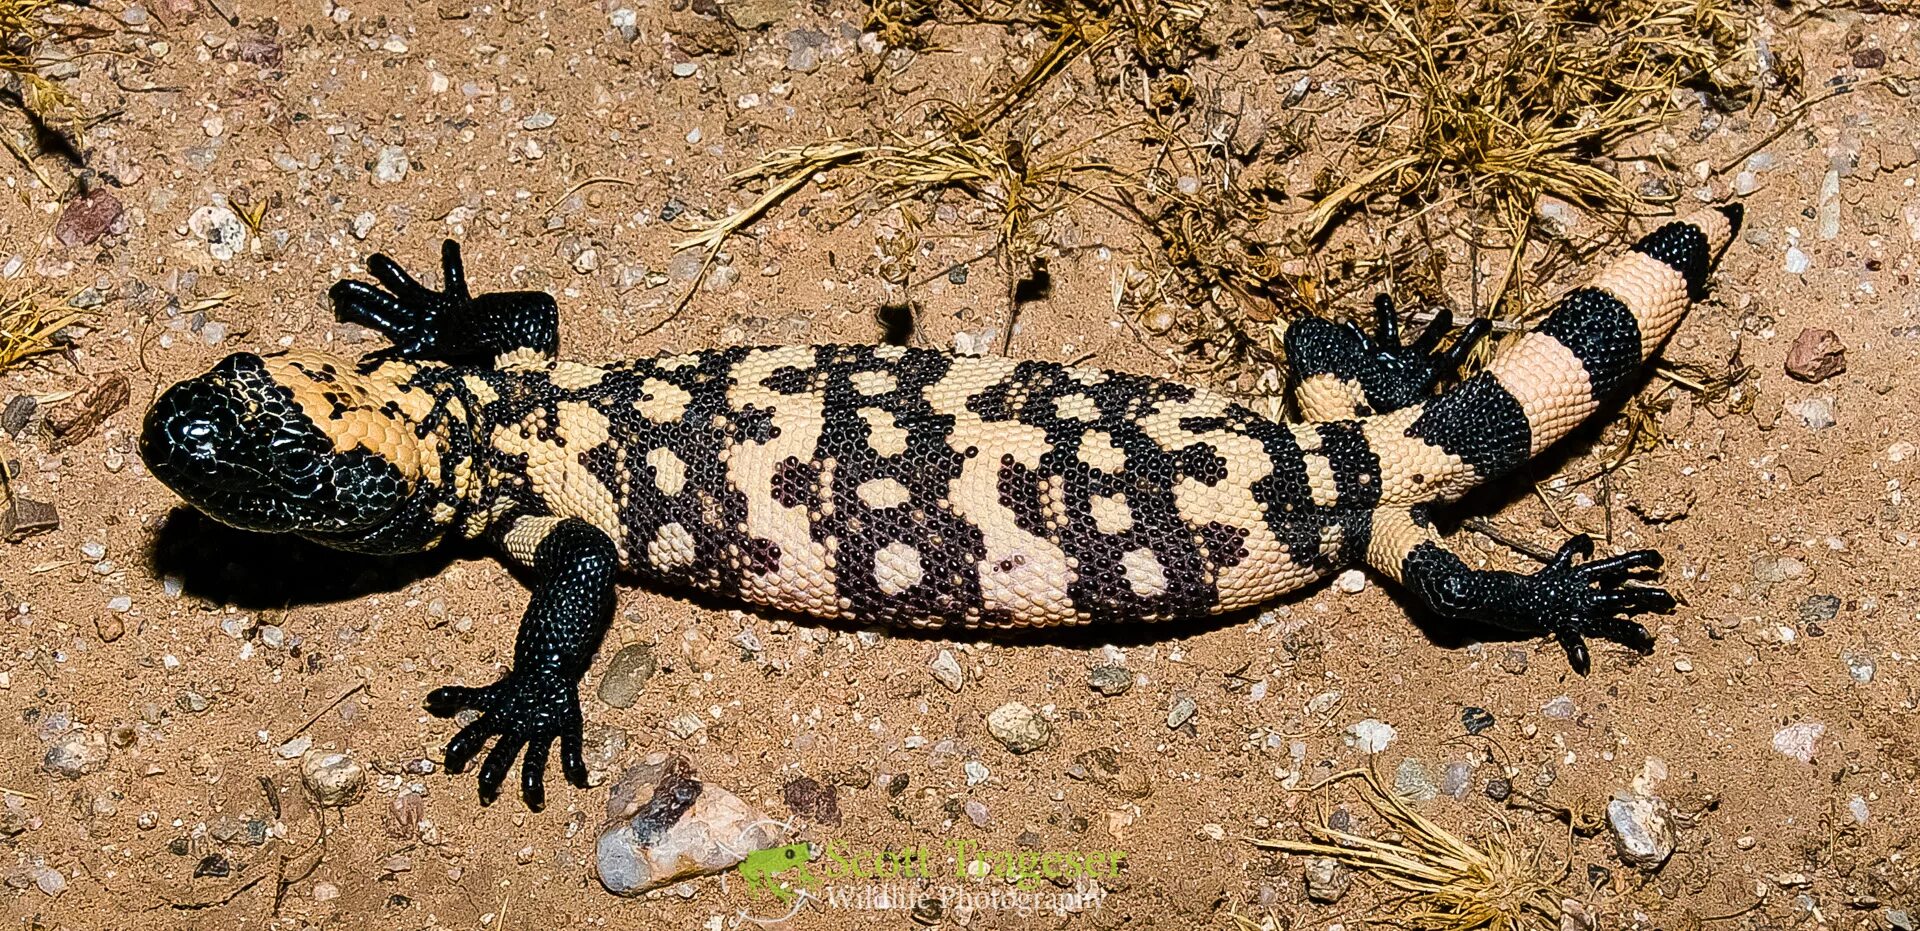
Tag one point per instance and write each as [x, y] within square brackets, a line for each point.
[907, 486]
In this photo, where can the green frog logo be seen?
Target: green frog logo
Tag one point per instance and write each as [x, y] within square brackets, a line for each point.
[763, 870]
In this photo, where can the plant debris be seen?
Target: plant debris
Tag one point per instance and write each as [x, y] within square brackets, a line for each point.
[1446, 882]
[75, 422]
[29, 326]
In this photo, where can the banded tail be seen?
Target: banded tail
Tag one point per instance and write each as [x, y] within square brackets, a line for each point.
[1542, 384]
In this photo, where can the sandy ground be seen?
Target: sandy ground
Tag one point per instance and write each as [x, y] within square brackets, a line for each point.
[179, 670]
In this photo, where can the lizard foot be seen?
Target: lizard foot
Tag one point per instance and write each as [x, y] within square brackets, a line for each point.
[524, 711]
[1573, 602]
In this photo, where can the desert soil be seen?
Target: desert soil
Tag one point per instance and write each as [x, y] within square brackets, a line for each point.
[167, 677]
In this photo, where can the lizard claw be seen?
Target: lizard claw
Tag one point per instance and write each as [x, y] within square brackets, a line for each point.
[408, 313]
[1588, 599]
[526, 712]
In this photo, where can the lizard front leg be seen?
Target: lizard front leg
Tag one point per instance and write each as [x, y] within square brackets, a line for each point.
[538, 699]
[447, 325]
[1571, 602]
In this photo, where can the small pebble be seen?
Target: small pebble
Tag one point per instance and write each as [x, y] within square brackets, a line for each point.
[976, 771]
[811, 799]
[1499, 789]
[1559, 708]
[1109, 680]
[1181, 711]
[1327, 881]
[1018, 727]
[1351, 582]
[946, 671]
[685, 725]
[627, 673]
[1797, 261]
[1816, 355]
[325, 892]
[1797, 740]
[295, 748]
[1475, 720]
[391, 165]
[335, 779]
[1815, 413]
[977, 813]
[1771, 569]
[1412, 782]
[537, 120]
[1370, 735]
[1642, 833]
[76, 755]
[1860, 666]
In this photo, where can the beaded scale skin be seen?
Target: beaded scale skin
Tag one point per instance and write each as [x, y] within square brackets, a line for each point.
[906, 486]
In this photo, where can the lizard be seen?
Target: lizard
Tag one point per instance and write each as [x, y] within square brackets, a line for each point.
[907, 486]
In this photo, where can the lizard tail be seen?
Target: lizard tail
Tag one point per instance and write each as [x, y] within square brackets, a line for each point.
[1542, 384]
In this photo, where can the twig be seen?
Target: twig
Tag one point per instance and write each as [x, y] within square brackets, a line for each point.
[1485, 528]
[358, 687]
[602, 179]
[1792, 119]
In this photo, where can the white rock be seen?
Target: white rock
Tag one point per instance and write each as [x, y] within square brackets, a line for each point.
[946, 670]
[1352, 581]
[1797, 261]
[1642, 832]
[664, 826]
[220, 228]
[1797, 740]
[334, 778]
[1370, 735]
[391, 165]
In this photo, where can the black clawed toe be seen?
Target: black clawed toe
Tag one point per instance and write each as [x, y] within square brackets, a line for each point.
[525, 713]
[448, 325]
[1391, 375]
[1590, 600]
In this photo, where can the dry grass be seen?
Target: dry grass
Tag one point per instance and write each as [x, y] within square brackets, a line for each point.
[28, 326]
[1442, 881]
[23, 29]
[1508, 101]
[981, 150]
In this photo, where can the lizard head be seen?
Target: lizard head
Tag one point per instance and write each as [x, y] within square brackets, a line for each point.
[287, 443]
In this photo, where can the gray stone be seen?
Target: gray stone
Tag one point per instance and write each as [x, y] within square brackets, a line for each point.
[76, 755]
[946, 670]
[1018, 727]
[1181, 711]
[1412, 782]
[1110, 680]
[627, 673]
[1327, 880]
[1642, 832]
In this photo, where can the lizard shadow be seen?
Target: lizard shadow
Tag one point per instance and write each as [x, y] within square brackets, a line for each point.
[262, 571]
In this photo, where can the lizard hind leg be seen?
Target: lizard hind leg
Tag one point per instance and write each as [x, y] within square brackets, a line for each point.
[1567, 600]
[1338, 372]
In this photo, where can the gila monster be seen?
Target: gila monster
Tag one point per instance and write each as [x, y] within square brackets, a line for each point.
[907, 486]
